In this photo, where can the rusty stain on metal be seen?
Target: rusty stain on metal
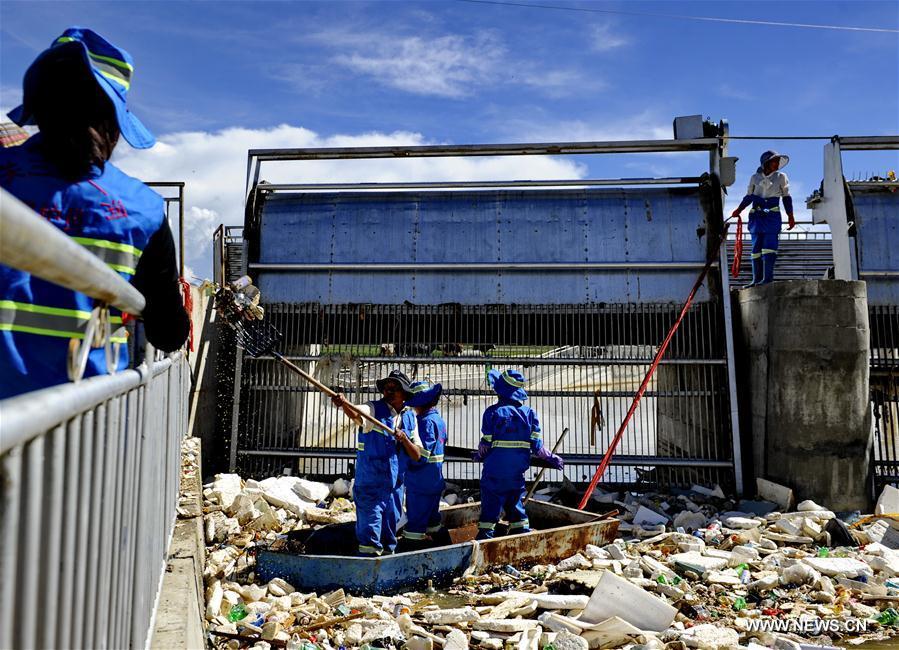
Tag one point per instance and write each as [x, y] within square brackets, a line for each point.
[545, 546]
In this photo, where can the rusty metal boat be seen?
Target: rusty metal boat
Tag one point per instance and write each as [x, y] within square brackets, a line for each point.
[559, 532]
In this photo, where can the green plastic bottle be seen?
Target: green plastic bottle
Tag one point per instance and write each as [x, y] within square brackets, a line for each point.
[888, 617]
[823, 551]
[237, 613]
[739, 604]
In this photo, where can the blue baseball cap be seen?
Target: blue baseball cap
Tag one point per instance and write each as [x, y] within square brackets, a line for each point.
[509, 384]
[422, 393]
[112, 67]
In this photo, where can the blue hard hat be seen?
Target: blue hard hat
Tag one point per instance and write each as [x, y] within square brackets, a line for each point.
[423, 393]
[509, 384]
[112, 68]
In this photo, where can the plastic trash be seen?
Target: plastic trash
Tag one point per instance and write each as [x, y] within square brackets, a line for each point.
[745, 577]
[512, 571]
[823, 551]
[295, 642]
[888, 617]
[739, 604]
[238, 612]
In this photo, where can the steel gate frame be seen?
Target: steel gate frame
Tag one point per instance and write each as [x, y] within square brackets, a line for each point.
[719, 164]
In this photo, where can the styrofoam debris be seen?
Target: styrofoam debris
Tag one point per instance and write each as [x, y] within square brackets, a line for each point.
[615, 596]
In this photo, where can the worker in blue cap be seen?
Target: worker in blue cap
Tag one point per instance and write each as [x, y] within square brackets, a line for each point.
[510, 434]
[424, 477]
[76, 92]
[767, 187]
[377, 487]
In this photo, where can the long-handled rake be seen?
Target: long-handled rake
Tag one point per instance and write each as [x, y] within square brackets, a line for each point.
[237, 304]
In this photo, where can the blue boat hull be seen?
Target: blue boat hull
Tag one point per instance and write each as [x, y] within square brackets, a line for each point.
[565, 532]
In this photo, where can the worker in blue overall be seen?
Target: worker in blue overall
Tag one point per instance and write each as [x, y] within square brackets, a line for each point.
[424, 477]
[510, 434]
[75, 91]
[377, 485]
[767, 187]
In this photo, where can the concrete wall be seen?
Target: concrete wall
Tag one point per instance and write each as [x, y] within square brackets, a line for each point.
[805, 358]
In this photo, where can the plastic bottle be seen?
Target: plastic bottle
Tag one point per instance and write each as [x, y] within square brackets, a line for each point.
[739, 604]
[661, 579]
[512, 571]
[888, 617]
[745, 577]
[238, 612]
[823, 551]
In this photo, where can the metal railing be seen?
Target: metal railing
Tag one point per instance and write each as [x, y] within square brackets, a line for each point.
[884, 322]
[89, 473]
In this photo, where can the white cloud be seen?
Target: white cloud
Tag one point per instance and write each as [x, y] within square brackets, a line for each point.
[642, 126]
[447, 66]
[605, 37]
[213, 166]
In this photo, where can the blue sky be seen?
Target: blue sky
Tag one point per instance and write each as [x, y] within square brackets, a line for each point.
[213, 79]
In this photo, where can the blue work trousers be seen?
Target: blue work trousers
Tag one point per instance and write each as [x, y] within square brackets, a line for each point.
[764, 254]
[422, 512]
[376, 519]
[498, 495]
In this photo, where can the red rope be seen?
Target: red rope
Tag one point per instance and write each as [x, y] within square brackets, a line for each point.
[655, 363]
[738, 251]
[188, 307]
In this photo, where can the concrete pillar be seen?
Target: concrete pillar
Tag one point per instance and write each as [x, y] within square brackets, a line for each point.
[806, 362]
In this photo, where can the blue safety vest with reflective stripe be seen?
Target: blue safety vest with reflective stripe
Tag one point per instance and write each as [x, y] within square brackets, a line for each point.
[111, 214]
[513, 432]
[377, 465]
[426, 474]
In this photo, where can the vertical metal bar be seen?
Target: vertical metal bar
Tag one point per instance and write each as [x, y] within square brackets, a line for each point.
[181, 230]
[10, 536]
[67, 566]
[98, 432]
[79, 533]
[29, 597]
[52, 537]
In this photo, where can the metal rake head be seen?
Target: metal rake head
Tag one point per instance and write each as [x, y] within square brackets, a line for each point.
[256, 337]
[237, 303]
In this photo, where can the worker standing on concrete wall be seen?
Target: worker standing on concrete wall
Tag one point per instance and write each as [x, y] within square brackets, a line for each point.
[75, 92]
[510, 434]
[424, 477]
[766, 189]
[377, 488]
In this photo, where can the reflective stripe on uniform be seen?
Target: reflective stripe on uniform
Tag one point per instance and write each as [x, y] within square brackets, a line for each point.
[410, 535]
[511, 444]
[436, 458]
[118, 256]
[371, 550]
[435, 529]
[768, 251]
[535, 435]
[524, 523]
[487, 438]
[755, 256]
[360, 446]
[424, 452]
[490, 525]
[48, 321]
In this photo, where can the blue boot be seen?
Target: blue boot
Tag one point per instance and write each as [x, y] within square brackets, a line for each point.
[768, 260]
[756, 272]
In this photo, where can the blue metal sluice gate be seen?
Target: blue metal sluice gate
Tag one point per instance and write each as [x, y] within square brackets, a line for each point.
[576, 286]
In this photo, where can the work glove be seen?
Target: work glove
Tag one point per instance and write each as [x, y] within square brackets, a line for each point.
[791, 221]
[552, 459]
[479, 454]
